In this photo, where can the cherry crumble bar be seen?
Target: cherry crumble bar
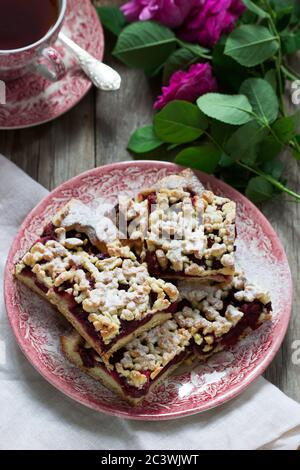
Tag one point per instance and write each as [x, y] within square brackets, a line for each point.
[138, 367]
[108, 301]
[190, 232]
[218, 316]
[209, 319]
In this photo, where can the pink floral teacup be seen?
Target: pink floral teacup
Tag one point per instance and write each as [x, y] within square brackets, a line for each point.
[40, 57]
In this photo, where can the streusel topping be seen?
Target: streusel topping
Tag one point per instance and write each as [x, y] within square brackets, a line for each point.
[109, 290]
[94, 222]
[187, 229]
[148, 354]
[190, 233]
[176, 229]
[215, 310]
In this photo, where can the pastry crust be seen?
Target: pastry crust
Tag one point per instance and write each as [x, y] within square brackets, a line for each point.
[109, 301]
[72, 344]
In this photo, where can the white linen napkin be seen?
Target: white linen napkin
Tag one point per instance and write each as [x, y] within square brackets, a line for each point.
[36, 416]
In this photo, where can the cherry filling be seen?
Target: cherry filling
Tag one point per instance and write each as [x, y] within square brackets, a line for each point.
[87, 357]
[152, 200]
[210, 242]
[152, 263]
[48, 234]
[27, 272]
[89, 361]
[216, 264]
[152, 298]
[252, 312]
[126, 328]
[155, 269]
[81, 315]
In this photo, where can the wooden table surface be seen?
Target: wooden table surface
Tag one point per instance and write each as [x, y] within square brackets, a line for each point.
[96, 132]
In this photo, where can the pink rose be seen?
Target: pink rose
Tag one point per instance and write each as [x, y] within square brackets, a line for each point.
[171, 13]
[188, 85]
[210, 19]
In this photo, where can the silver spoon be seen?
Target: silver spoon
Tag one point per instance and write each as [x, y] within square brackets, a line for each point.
[102, 76]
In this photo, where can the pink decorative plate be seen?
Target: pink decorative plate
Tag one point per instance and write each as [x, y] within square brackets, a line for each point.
[37, 328]
[33, 100]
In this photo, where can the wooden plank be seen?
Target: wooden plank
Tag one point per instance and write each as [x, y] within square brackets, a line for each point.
[22, 147]
[284, 215]
[68, 148]
[118, 114]
[285, 218]
[54, 152]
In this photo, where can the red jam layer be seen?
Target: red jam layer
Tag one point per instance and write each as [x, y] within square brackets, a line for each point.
[155, 269]
[88, 359]
[252, 312]
[81, 315]
[27, 272]
[49, 234]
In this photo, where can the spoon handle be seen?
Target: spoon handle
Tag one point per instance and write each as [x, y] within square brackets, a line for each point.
[102, 76]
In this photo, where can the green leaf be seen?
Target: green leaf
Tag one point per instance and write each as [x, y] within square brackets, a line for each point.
[271, 77]
[279, 5]
[112, 19]
[259, 189]
[269, 148]
[296, 13]
[145, 45]
[242, 144]
[236, 176]
[248, 17]
[180, 59]
[251, 45]
[286, 127]
[290, 42]
[296, 153]
[274, 168]
[194, 48]
[144, 140]
[172, 147]
[153, 71]
[283, 18]
[220, 131]
[179, 122]
[204, 158]
[228, 72]
[226, 161]
[262, 98]
[255, 9]
[231, 109]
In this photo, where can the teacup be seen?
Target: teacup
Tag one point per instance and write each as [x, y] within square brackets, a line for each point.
[39, 57]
